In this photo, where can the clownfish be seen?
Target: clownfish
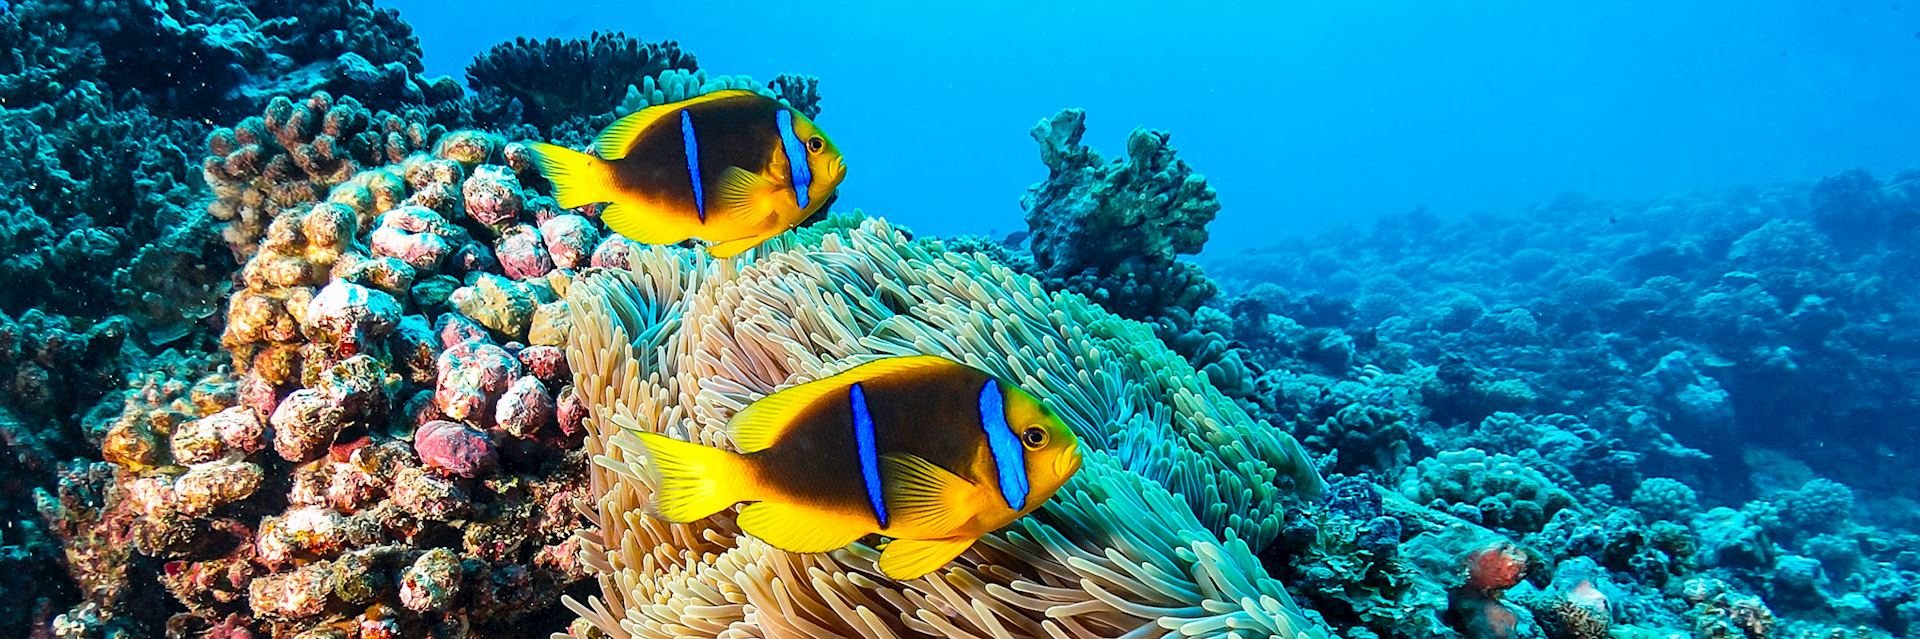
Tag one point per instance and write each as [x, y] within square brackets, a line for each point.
[925, 451]
[734, 168]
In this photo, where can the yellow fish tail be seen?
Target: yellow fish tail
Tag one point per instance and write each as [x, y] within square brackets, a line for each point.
[578, 179]
[695, 481]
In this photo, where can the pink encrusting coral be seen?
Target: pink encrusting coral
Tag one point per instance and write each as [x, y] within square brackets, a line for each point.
[386, 456]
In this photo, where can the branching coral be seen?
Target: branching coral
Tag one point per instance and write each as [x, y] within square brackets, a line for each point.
[679, 343]
[555, 79]
[1112, 230]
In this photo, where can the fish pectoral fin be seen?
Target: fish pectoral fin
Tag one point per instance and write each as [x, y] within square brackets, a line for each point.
[746, 197]
[905, 559]
[796, 528]
[640, 223]
[923, 496]
[760, 424]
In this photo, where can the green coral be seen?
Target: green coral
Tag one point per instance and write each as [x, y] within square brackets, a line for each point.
[1495, 490]
[797, 91]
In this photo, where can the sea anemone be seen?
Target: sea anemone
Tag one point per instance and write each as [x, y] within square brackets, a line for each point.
[1154, 537]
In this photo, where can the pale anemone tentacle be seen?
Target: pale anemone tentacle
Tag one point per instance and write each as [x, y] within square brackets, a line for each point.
[1155, 537]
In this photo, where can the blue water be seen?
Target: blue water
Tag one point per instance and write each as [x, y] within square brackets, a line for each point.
[1301, 114]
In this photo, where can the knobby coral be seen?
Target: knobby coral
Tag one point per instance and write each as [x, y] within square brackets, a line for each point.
[1155, 537]
[1112, 230]
[297, 150]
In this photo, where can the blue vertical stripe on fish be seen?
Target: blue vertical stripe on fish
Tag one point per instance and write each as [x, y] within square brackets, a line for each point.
[693, 163]
[1009, 461]
[796, 157]
[869, 453]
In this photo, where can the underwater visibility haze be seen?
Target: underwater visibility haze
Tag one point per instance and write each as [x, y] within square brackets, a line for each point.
[368, 320]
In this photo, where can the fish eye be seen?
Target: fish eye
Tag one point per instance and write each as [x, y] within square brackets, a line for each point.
[1035, 437]
[816, 143]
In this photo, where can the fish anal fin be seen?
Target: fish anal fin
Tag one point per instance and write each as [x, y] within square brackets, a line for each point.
[731, 248]
[641, 223]
[758, 426]
[905, 559]
[802, 529]
[923, 497]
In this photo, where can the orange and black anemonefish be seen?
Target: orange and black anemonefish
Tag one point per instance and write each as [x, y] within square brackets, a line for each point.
[928, 452]
[734, 168]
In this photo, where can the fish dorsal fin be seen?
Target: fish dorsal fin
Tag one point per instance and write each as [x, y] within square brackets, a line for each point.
[924, 497]
[760, 424]
[618, 137]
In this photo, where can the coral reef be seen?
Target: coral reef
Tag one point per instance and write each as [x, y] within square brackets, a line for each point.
[1614, 388]
[571, 89]
[109, 254]
[1549, 382]
[1678, 331]
[294, 153]
[349, 375]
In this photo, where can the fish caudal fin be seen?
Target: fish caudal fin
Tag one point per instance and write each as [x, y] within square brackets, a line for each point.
[801, 529]
[905, 559]
[578, 179]
[695, 481]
